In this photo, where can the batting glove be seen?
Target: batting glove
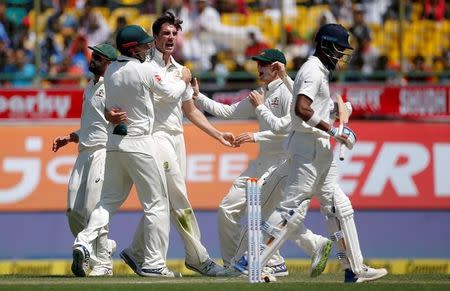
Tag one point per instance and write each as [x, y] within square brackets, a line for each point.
[347, 137]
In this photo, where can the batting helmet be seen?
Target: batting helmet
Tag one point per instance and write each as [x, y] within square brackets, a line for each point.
[332, 41]
[131, 36]
[334, 33]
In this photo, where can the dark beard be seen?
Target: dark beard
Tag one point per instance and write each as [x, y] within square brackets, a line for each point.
[95, 70]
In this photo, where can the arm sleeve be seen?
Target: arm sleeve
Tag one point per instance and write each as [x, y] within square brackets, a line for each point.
[278, 125]
[267, 135]
[169, 91]
[240, 110]
[309, 82]
[289, 83]
[187, 95]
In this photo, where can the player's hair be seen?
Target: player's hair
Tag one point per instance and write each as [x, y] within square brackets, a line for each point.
[167, 17]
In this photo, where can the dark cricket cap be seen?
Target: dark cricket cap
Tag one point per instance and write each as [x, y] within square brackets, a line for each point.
[105, 50]
[132, 35]
[270, 56]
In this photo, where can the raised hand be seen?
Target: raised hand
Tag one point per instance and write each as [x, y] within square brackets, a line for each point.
[256, 98]
[280, 68]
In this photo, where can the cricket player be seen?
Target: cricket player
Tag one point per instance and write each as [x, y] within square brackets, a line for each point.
[168, 134]
[272, 154]
[311, 169]
[86, 179]
[132, 154]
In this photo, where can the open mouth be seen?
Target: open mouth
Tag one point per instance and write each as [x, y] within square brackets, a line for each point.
[170, 46]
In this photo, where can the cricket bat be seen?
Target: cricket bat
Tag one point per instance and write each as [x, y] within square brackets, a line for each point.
[343, 120]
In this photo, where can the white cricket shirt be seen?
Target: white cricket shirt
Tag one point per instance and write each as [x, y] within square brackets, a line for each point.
[92, 132]
[312, 81]
[168, 112]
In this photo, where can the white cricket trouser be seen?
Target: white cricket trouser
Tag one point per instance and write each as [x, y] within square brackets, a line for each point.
[233, 206]
[311, 172]
[122, 170]
[172, 153]
[84, 191]
[85, 187]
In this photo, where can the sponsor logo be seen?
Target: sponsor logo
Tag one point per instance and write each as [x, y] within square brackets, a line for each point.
[34, 104]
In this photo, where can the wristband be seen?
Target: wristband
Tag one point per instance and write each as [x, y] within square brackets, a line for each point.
[314, 120]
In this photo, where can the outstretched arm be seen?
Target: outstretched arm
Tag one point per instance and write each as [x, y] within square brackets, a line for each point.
[239, 110]
[197, 118]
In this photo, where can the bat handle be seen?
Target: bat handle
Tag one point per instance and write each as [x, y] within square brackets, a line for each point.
[341, 151]
[341, 145]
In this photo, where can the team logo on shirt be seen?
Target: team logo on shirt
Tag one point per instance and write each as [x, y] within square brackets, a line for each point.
[100, 93]
[275, 101]
[158, 78]
[166, 166]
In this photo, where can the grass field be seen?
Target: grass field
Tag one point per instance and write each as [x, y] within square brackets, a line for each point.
[326, 282]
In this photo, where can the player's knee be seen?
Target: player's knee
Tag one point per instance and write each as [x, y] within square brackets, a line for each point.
[343, 206]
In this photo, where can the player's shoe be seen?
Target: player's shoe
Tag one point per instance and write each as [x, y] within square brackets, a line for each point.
[126, 256]
[320, 258]
[100, 271]
[112, 246]
[160, 272]
[211, 269]
[279, 270]
[368, 274]
[242, 265]
[80, 262]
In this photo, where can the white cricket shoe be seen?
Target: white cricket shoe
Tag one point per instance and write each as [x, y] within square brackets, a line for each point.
[100, 271]
[160, 272]
[80, 262]
[279, 270]
[211, 269]
[112, 246]
[320, 258]
[368, 274]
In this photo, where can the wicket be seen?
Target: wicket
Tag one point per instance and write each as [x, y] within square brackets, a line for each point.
[254, 230]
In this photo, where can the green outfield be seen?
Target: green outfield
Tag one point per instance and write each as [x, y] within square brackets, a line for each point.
[326, 282]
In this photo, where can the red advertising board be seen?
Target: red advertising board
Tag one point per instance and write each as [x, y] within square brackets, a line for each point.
[368, 100]
[394, 165]
[412, 101]
[26, 104]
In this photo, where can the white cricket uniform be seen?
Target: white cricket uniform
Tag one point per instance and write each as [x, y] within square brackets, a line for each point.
[132, 159]
[168, 134]
[311, 169]
[86, 179]
[271, 154]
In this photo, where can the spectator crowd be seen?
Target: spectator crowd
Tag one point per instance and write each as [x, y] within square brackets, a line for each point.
[219, 36]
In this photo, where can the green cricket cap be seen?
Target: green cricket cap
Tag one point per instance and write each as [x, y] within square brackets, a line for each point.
[105, 50]
[130, 36]
[270, 56]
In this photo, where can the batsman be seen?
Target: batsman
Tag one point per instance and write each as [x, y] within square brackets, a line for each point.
[311, 167]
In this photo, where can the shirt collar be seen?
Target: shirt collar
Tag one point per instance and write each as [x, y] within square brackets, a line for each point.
[273, 85]
[158, 57]
[321, 65]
